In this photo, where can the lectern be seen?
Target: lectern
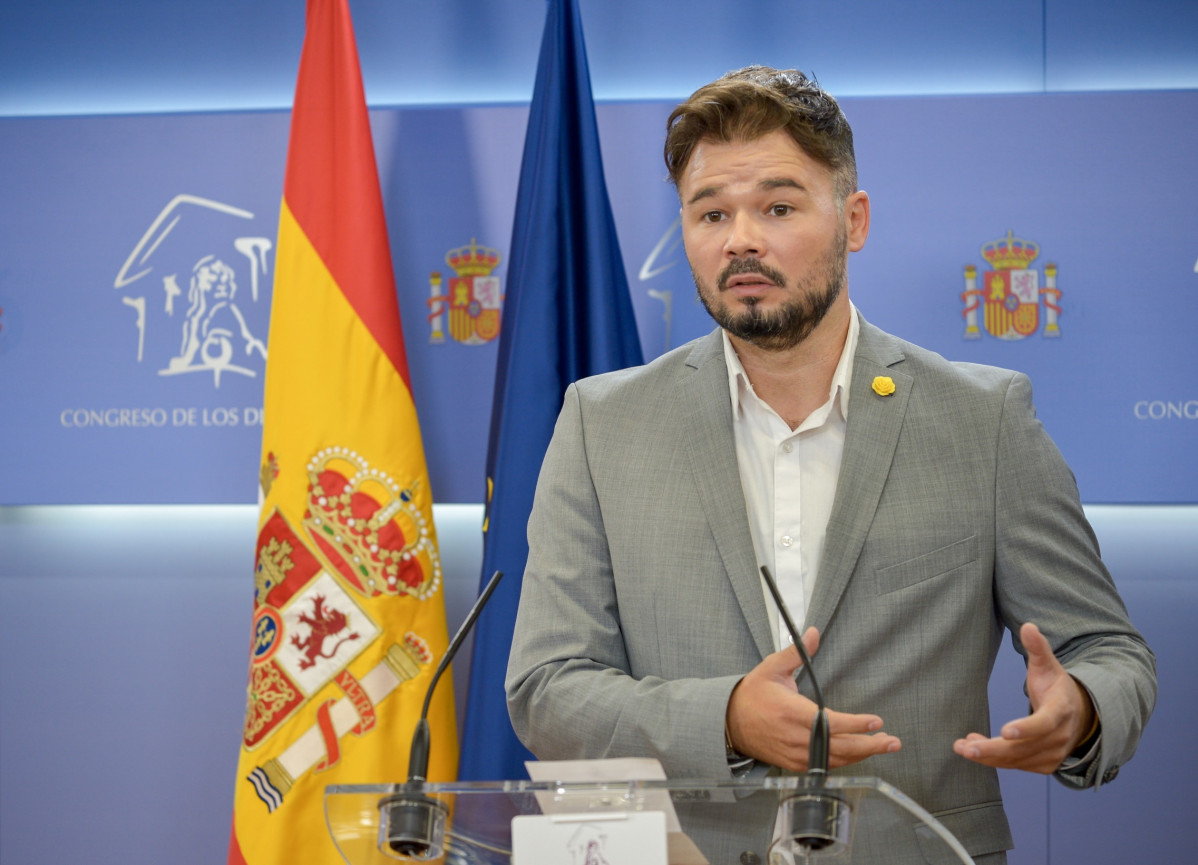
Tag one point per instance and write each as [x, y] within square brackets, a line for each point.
[756, 821]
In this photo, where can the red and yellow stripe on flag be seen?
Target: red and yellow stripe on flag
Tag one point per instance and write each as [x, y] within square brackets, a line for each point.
[349, 618]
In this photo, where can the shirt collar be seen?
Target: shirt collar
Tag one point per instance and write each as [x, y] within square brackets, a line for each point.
[838, 392]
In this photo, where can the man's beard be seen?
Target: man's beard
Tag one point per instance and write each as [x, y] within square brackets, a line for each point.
[792, 322]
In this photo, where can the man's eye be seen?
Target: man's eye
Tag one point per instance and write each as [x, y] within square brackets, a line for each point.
[712, 216]
[781, 209]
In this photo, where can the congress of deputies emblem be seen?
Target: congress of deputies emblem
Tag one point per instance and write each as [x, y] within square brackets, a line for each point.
[1010, 295]
[471, 306]
[197, 286]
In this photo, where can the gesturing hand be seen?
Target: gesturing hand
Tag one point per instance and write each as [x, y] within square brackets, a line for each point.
[769, 720]
[1062, 714]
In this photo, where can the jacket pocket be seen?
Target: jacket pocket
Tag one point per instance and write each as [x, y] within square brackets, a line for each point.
[915, 570]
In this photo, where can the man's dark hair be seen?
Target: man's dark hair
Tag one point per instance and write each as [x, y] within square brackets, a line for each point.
[753, 102]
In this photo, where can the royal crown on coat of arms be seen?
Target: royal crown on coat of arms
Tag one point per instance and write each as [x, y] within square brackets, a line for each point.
[473, 301]
[1009, 296]
[369, 528]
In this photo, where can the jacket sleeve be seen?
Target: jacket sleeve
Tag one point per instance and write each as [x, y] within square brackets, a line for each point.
[1048, 571]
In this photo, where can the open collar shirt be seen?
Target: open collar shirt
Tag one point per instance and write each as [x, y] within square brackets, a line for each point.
[789, 479]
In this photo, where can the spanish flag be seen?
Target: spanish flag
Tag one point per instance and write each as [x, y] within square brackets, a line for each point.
[349, 616]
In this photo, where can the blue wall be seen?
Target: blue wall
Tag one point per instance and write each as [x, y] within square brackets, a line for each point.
[122, 679]
[120, 56]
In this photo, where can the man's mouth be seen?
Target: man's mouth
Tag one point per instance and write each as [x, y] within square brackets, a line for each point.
[748, 277]
[748, 281]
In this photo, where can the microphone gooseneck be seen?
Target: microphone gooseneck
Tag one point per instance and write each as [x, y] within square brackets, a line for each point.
[815, 821]
[412, 823]
[817, 760]
[418, 759]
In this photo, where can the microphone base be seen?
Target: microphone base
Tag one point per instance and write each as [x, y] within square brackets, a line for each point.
[412, 826]
[815, 821]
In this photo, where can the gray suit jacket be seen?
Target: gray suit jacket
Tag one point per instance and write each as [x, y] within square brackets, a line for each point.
[955, 517]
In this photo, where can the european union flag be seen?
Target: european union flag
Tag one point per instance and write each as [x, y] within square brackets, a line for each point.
[567, 314]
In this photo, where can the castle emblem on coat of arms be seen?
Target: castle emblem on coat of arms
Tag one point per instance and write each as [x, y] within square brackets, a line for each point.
[473, 303]
[1009, 296]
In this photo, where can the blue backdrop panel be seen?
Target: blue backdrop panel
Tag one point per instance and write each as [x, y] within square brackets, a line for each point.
[132, 320]
[117, 385]
[1104, 184]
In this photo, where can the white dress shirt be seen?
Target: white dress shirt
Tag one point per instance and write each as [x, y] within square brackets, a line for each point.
[789, 480]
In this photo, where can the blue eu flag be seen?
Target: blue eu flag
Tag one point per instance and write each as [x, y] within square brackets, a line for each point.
[567, 314]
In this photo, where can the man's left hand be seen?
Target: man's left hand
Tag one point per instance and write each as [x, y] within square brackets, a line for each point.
[1062, 715]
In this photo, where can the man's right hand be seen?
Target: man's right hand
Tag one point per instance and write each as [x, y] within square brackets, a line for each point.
[769, 720]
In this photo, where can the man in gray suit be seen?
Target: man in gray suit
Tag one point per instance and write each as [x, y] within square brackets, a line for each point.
[911, 508]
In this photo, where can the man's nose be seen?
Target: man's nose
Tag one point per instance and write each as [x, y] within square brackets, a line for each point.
[744, 238]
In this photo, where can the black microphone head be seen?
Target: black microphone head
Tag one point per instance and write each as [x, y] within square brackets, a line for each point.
[412, 824]
[815, 821]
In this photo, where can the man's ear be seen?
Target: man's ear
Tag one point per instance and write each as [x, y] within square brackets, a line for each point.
[856, 214]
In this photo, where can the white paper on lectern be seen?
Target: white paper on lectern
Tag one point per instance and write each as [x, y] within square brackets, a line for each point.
[682, 850]
[597, 771]
[636, 838]
[585, 771]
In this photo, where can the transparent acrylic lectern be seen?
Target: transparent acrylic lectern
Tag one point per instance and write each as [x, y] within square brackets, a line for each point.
[749, 822]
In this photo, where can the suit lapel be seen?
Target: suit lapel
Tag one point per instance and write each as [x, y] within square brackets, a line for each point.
[707, 434]
[871, 436]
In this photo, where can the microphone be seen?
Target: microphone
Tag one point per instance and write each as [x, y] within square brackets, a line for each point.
[412, 823]
[814, 820]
